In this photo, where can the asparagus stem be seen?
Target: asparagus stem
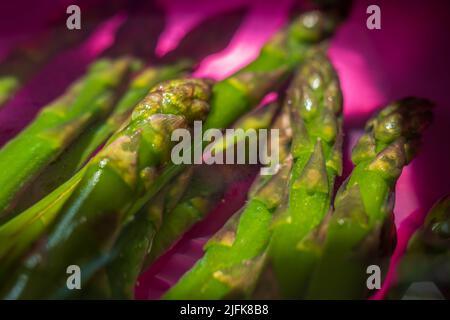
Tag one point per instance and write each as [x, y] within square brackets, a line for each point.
[91, 219]
[56, 126]
[361, 232]
[234, 257]
[236, 94]
[76, 155]
[315, 102]
[428, 255]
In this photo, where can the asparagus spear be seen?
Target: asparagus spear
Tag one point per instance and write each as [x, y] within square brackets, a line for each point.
[361, 232]
[428, 254]
[234, 257]
[56, 126]
[285, 51]
[72, 159]
[122, 172]
[186, 201]
[315, 102]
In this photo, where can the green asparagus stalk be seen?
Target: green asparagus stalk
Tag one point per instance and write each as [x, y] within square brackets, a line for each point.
[428, 255]
[56, 126]
[186, 201]
[315, 100]
[90, 220]
[234, 257]
[76, 155]
[361, 232]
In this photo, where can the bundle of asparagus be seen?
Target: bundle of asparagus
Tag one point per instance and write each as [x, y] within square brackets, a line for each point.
[250, 85]
[241, 248]
[312, 255]
[234, 257]
[94, 136]
[114, 212]
[361, 232]
[116, 177]
[162, 221]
